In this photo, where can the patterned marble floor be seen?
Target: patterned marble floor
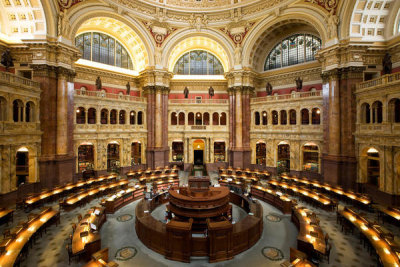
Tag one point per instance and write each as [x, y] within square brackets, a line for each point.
[118, 233]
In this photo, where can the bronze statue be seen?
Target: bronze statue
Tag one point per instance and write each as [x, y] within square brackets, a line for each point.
[268, 88]
[98, 83]
[6, 59]
[299, 84]
[128, 88]
[387, 64]
[186, 92]
[211, 92]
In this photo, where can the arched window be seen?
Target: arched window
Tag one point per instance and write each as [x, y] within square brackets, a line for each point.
[365, 113]
[394, 110]
[275, 117]
[316, 116]
[18, 110]
[257, 118]
[113, 116]
[174, 119]
[140, 118]
[206, 118]
[104, 116]
[103, 48]
[377, 112]
[80, 115]
[122, 117]
[264, 118]
[3, 109]
[215, 118]
[92, 116]
[198, 62]
[305, 116]
[181, 118]
[30, 112]
[292, 117]
[199, 118]
[293, 50]
[191, 118]
[283, 117]
[132, 116]
[222, 120]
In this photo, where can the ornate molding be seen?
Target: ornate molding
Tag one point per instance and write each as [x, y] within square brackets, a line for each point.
[328, 5]
[67, 4]
[159, 30]
[237, 31]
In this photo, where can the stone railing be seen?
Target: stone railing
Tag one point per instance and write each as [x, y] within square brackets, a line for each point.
[14, 80]
[295, 95]
[199, 101]
[383, 80]
[102, 94]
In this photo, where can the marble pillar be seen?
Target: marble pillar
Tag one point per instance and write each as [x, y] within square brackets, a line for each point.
[339, 163]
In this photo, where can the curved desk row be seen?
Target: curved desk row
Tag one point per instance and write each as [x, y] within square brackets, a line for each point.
[6, 215]
[72, 201]
[273, 197]
[86, 238]
[311, 237]
[49, 195]
[150, 172]
[322, 200]
[261, 174]
[222, 242]
[11, 248]
[122, 198]
[361, 199]
[387, 250]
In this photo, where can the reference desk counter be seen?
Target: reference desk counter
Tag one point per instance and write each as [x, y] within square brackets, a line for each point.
[386, 250]
[86, 238]
[22, 236]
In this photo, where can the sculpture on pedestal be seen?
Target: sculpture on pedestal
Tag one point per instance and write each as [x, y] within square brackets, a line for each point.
[6, 59]
[387, 64]
[268, 88]
[128, 88]
[186, 92]
[299, 84]
[211, 92]
[98, 83]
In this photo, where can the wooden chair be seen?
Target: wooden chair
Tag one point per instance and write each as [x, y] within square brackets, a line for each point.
[71, 256]
[7, 233]
[73, 227]
[79, 217]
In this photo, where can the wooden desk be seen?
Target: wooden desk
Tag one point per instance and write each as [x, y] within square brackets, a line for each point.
[15, 246]
[100, 259]
[273, 197]
[91, 242]
[388, 256]
[6, 215]
[123, 197]
[391, 212]
[311, 234]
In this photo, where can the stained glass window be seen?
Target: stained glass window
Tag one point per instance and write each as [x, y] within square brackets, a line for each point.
[104, 49]
[198, 62]
[293, 50]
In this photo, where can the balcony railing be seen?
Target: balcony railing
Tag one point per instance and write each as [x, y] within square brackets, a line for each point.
[199, 101]
[294, 95]
[383, 80]
[102, 94]
[13, 79]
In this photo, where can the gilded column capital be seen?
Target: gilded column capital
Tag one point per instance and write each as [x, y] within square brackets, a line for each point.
[41, 70]
[148, 90]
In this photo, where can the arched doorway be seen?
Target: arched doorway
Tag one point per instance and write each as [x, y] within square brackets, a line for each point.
[113, 162]
[198, 152]
[22, 166]
[136, 153]
[177, 151]
[310, 157]
[261, 153]
[85, 157]
[283, 159]
[219, 151]
[373, 167]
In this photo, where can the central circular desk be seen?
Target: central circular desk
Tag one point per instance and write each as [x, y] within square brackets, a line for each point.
[200, 226]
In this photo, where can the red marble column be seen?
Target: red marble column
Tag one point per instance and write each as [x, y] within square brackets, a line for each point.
[339, 163]
[56, 164]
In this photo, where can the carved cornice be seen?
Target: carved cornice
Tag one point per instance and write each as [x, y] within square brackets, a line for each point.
[343, 73]
[328, 5]
[43, 70]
